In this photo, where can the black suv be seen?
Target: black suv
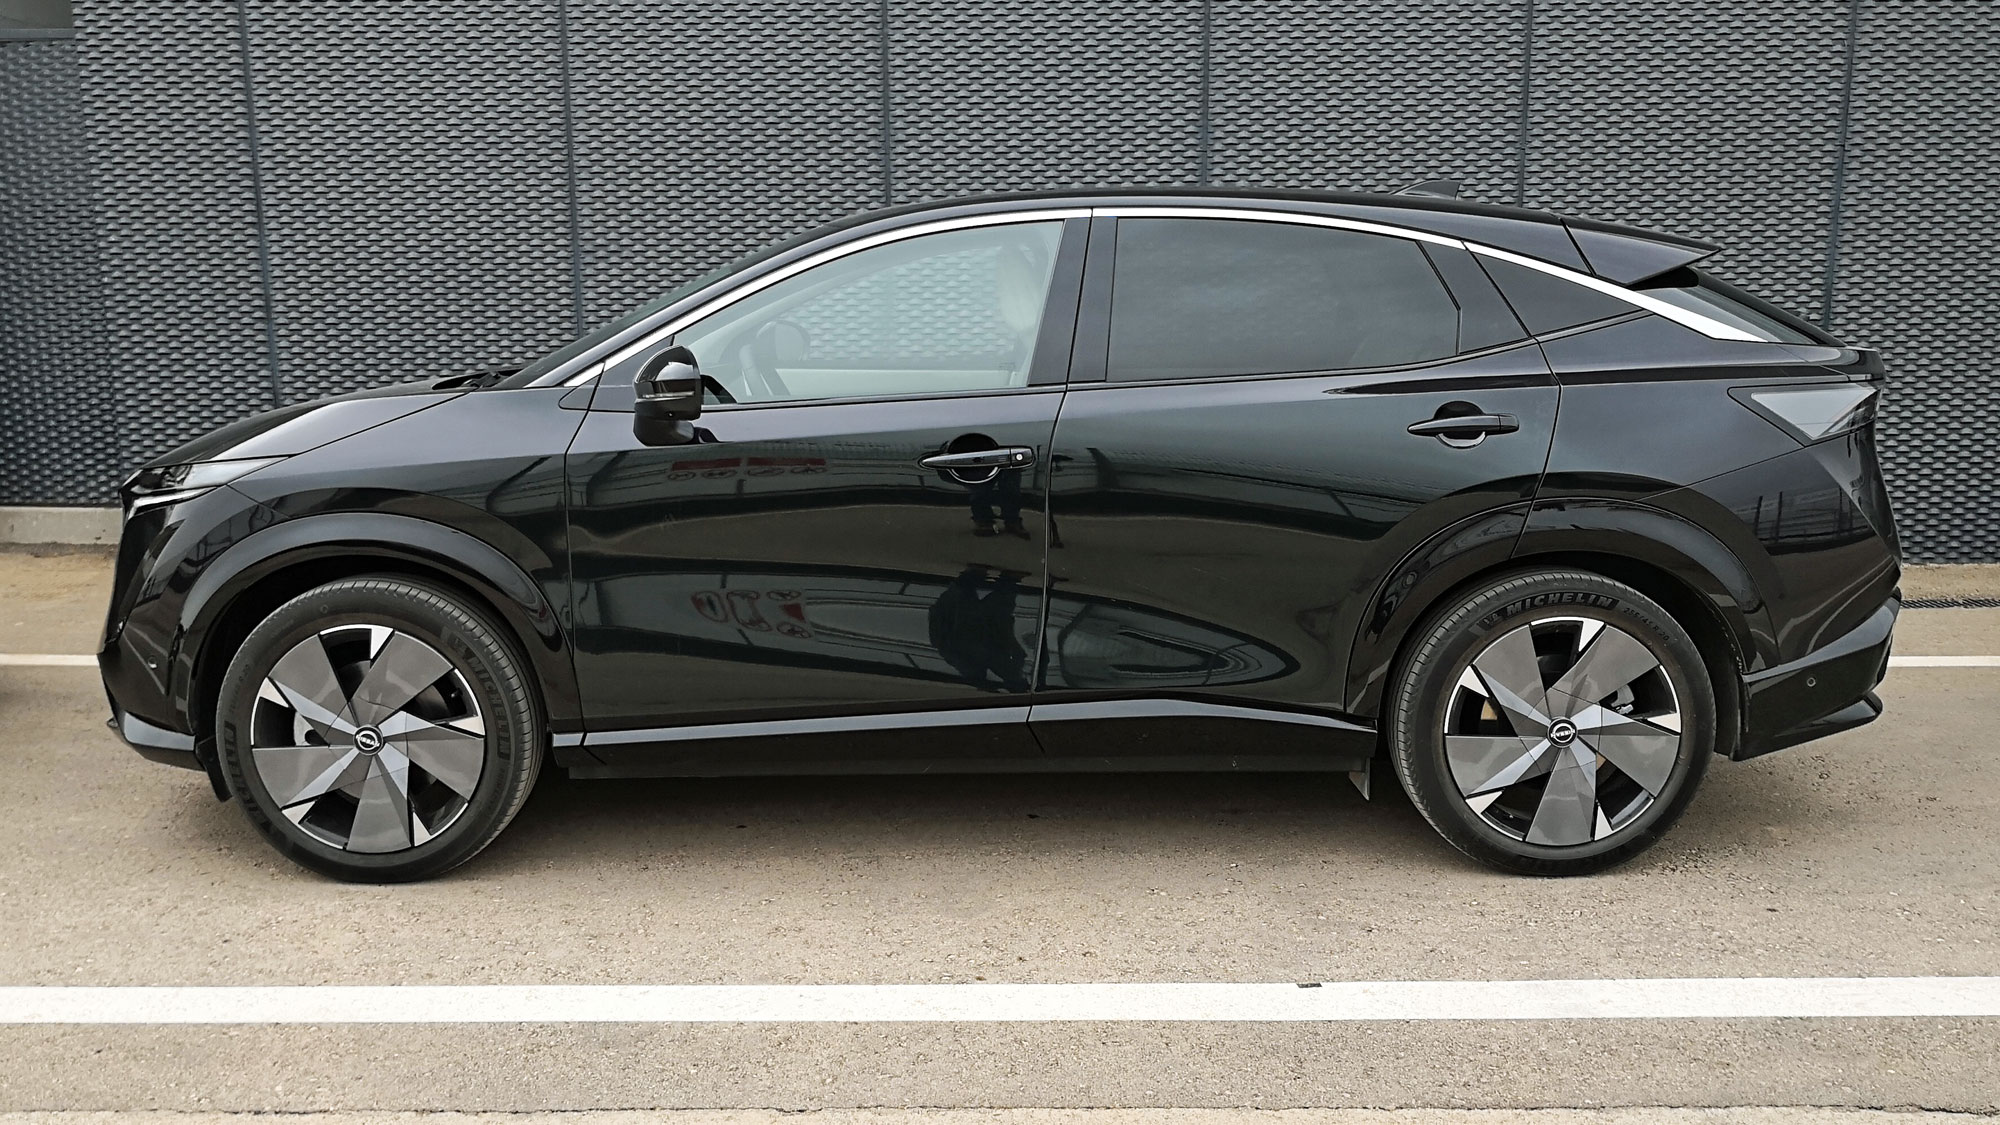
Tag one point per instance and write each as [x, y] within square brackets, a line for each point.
[1141, 480]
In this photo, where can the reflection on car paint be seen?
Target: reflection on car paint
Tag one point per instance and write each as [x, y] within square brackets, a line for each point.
[973, 628]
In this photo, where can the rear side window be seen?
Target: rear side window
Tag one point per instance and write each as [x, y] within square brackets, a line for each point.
[1204, 298]
[1546, 303]
[1698, 292]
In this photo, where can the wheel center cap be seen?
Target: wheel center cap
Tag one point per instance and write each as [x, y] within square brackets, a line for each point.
[368, 740]
[1562, 732]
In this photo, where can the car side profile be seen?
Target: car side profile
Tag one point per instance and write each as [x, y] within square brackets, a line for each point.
[1531, 508]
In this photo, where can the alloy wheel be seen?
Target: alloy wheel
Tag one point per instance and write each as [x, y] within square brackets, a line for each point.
[1562, 731]
[367, 738]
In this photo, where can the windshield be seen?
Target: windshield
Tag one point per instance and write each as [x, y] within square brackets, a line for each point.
[527, 375]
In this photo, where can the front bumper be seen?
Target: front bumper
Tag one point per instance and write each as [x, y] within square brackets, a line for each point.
[155, 743]
[1829, 690]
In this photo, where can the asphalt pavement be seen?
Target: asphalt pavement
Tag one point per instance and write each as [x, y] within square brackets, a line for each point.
[1870, 854]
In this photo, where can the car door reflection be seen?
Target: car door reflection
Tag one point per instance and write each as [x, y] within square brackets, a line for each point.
[978, 629]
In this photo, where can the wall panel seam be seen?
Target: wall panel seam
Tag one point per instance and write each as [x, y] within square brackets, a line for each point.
[1839, 200]
[888, 119]
[1206, 144]
[257, 201]
[1526, 120]
[569, 166]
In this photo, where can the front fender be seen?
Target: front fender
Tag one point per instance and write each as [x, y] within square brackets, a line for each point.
[478, 565]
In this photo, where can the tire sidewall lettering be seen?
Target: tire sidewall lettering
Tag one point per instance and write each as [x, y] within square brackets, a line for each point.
[1554, 599]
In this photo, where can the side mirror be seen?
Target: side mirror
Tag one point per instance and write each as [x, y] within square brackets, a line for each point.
[665, 397]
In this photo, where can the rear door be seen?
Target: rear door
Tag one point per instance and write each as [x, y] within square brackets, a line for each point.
[1235, 468]
[810, 565]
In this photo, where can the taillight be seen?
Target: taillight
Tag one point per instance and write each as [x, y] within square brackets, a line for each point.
[1814, 411]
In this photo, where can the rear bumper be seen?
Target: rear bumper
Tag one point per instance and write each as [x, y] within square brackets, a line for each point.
[1829, 690]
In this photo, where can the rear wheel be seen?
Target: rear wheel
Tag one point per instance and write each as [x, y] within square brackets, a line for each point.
[1553, 723]
[378, 730]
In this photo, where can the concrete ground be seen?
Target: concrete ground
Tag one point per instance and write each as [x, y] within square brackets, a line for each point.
[1870, 854]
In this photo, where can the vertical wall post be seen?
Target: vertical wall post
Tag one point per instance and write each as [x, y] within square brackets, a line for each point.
[1840, 166]
[257, 201]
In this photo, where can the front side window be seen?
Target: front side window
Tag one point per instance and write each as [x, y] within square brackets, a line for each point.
[939, 313]
[1205, 298]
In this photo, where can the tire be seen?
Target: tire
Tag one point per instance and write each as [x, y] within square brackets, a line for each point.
[455, 720]
[1490, 764]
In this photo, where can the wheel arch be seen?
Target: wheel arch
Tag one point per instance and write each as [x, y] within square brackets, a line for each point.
[1664, 556]
[285, 560]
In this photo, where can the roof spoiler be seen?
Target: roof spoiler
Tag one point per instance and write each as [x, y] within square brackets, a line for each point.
[1628, 255]
[1437, 189]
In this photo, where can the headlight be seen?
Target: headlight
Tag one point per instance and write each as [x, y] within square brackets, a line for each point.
[170, 484]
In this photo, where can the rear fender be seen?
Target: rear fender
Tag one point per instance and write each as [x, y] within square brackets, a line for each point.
[1554, 530]
[1667, 543]
[1444, 562]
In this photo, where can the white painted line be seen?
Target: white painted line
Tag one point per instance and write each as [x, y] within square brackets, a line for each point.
[46, 660]
[1709, 998]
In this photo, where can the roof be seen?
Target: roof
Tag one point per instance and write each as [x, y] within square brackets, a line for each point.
[1617, 253]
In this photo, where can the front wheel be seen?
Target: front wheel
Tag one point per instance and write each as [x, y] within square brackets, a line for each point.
[1553, 722]
[378, 730]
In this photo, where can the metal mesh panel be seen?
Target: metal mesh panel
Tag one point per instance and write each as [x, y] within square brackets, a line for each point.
[1919, 270]
[416, 174]
[415, 189]
[1368, 96]
[1005, 97]
[183, 298]
[715, 130]
[1718, 120]
[56, 432]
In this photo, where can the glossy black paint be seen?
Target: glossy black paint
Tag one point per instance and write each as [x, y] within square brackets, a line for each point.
[800, 561]
[1206, 574]
[1161, 505]
[470, 497]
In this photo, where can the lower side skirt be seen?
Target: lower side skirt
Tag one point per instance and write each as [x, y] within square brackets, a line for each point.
[1092, 736]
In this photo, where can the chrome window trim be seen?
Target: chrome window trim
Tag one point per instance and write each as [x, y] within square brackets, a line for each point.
[657, 336]
[1706, 325]
[1144, 211]
[592, 367]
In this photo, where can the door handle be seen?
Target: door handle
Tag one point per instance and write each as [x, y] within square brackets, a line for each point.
[1005, 457]
[1464, 431]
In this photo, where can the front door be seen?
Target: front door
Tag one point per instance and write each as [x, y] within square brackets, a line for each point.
[840, 545]
[1237, 474]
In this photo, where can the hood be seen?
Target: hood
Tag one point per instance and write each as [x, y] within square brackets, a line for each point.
[309, 425]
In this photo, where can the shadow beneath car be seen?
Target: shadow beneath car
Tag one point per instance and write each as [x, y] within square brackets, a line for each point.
[795, 817]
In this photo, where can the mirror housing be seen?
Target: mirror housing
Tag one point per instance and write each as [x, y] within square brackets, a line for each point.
[666, 396]
[669, 386]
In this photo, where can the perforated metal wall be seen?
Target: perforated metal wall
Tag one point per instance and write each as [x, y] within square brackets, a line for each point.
[456, 185]
[185, 315]
[415, 187]
[1919, 262]
[708, 132]
[55, 437]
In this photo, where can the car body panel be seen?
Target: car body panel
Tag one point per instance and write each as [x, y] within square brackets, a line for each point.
[1217, 572]
[474, 494]
[799, 560]
[1159, 505]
